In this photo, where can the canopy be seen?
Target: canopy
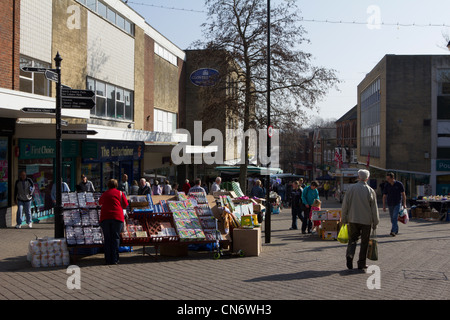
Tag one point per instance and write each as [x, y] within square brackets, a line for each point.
[250, 170]
[326, 177]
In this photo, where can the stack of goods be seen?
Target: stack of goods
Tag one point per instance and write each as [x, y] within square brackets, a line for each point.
[134, 230]
[186, 221]
[162, 231]
[330, 223]
[48, 252]
[82, 227]
[69, 200]
[140, 203]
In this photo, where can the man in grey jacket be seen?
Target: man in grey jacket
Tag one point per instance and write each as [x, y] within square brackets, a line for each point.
[23, 194]
[360, 211]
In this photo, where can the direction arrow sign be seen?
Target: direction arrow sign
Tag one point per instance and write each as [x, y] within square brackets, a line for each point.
[86, 132]
[78, 103]
[39, 110]
[33, 69]
[50, 75]
[73, 93]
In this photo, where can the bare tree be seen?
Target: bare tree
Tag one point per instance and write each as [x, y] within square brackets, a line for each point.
[239, 28]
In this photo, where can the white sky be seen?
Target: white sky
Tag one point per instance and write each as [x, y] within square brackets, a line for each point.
[351, 49]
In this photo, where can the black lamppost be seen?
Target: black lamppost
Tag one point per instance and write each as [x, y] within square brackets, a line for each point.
[59, 228]
[267, 225]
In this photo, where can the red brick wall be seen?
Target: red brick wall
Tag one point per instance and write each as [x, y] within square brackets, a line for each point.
[9, 44]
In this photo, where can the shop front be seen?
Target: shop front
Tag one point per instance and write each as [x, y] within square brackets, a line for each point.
[104, 160]
[37, 158]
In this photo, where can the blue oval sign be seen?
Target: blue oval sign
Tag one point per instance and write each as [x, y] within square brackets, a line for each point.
[205, 77]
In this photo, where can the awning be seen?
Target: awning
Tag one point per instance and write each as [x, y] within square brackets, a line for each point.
[250, 170]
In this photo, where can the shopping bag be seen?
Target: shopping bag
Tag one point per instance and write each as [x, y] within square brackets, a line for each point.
[403, 216]
[343, 234]
[372, 251]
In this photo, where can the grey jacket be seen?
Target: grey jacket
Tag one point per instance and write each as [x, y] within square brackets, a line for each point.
[23, 190]
[360, 205]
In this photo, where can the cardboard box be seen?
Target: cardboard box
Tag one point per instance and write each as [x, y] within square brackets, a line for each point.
[258, 207]
[329, 235]
[247, 240]
[319, 215]
[330, 225]
[334, 215]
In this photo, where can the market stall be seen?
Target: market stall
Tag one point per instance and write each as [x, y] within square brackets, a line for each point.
[431, 207]
[330, 223]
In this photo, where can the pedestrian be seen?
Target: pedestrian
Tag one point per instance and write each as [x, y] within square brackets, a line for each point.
[394, 195]
[315, 207]
[296, 204]
[156, 188]
[197, 187]
[144, 189]
[186, 186]
[360, 212]
[257, 191]
[309, 194]
[167, 189]
[174, 190]
[326, 188]
[216, 185]
[23, 194]
[85, 185]
[113, 201]
[134, 187]
[123, 184]
[64, 188]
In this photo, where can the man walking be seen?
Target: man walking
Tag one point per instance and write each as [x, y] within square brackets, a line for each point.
[23, 194]
[296, 204]
[360, 212]
[394, 194]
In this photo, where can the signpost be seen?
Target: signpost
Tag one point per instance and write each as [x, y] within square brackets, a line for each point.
[66, 97]
[38, 110]
[85, 132]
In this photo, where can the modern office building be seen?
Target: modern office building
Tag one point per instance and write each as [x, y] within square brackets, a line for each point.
[404, 121]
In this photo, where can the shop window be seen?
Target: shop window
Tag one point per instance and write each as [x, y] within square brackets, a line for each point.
[34, 82]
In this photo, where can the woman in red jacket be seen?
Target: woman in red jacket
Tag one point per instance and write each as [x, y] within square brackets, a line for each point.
[113, 202]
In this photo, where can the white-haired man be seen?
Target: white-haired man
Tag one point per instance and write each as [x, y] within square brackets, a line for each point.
[360, 212]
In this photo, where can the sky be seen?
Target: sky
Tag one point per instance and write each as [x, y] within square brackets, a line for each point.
[352, 49]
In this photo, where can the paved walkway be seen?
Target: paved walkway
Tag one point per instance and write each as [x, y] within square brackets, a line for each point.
[413, 265]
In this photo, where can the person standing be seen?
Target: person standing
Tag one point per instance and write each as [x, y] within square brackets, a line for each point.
[156, 189]
[85, 185]
[123, 185]
[394, 194]
[64, 188]
[296, 204]
[326, 188]
[144, 189]
[309, 195]
[167, 189]
[186, 186]
[216, 185]
[113, 201]
[134, 188]
[197, 187]
[257, 190]
[360, 212]
[23, 194]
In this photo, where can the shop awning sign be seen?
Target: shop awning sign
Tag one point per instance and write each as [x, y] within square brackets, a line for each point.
[205, 77]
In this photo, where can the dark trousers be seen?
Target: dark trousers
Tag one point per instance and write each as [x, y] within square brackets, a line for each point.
[355, 232]
[111, 233]
[296, 213]
[306, 221]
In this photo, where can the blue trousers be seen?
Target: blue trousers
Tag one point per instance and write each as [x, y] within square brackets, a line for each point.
[111, 233]
[393, 212]
[23, 207]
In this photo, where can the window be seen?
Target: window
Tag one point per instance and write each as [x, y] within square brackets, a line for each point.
[164, 121]
[34, 82]
[166, 54]
[111, 15]
[112, 102]
[108, 13]
[370, 120]
[101, 10]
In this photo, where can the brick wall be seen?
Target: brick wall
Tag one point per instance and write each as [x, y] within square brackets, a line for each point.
[9, 44]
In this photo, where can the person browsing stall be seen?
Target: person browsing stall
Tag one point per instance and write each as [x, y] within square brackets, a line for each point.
[112, 202]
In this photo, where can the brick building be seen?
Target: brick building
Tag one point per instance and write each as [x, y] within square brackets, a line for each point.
[136, 73]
